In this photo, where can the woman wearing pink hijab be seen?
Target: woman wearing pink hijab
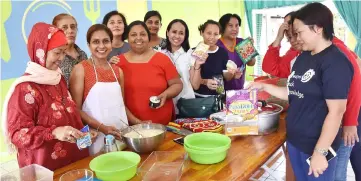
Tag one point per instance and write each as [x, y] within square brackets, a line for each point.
[40, 119]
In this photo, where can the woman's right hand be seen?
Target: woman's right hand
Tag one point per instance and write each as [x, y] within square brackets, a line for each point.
[67, 133]
[114, 60]
[199, 62]
[110, 130]
[281, 31]
[211, 84]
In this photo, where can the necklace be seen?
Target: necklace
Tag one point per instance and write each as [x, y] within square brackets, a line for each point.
[174, 62]
[171, 55]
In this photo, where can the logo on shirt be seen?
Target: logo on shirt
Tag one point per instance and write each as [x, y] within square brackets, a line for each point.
[308, 76]
[290, 76]
[289, 83]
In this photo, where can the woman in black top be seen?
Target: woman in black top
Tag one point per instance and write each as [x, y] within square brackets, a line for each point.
[202, 72]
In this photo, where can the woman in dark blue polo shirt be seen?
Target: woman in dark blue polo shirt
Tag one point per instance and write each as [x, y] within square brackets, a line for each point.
[317, 91]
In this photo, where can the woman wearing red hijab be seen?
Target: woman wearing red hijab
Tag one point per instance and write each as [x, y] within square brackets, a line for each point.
[40, 119]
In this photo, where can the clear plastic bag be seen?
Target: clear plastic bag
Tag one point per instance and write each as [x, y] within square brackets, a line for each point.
[220, 84]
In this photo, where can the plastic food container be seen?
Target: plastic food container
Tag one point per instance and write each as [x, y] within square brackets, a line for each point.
[207, 148]
[77, 175]
[163, 166]
[207, 141]
[207, 157]
[32, 172]
[119, 166]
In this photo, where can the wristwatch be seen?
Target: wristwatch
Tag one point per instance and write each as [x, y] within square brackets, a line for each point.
[321, 151]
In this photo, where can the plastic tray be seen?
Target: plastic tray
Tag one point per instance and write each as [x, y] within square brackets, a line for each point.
[32, 172]
[163, 166]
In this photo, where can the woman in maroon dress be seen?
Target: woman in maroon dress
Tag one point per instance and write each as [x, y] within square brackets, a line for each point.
[40, 119]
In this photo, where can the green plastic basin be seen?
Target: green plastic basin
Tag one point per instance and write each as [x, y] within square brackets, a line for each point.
[207, 157]
[120, 166]
[206, 141]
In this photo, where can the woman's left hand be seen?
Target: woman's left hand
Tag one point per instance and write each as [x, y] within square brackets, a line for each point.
[318, 164]
[238, 74]
[252, 40]
[232, 71]
[162, 97]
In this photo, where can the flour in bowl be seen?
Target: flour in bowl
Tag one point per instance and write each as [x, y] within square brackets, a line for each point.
[144, 132]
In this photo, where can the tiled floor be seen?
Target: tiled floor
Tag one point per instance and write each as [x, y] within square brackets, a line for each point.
[276, 163]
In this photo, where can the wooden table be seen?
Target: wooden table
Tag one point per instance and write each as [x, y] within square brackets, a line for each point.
[246, 155]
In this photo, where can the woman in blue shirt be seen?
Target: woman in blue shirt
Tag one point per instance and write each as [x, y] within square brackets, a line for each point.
[317, 91]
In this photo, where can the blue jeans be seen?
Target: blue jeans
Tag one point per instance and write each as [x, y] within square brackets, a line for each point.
[301, 167]
[355, 159]
[343, 155]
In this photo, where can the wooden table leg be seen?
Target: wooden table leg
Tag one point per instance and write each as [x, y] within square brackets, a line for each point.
[290, 176]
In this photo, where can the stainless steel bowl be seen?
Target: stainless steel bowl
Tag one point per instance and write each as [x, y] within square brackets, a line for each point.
[268, 122]
[144, 144]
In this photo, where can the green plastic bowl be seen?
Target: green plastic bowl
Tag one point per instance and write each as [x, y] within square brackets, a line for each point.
[207, 157]
[206, 141]
[120, 165]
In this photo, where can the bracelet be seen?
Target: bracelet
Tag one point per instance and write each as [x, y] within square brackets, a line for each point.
[99, 127]
[321, 151]
[197, 69]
